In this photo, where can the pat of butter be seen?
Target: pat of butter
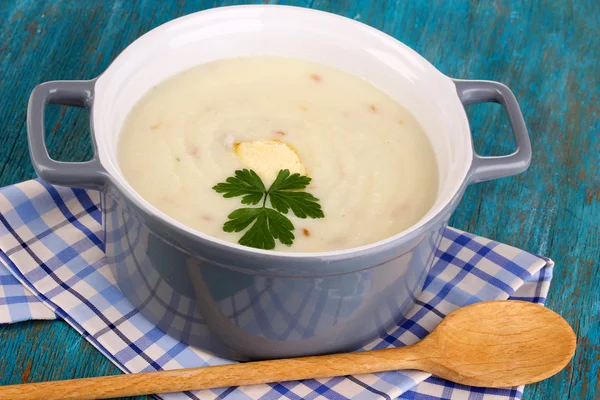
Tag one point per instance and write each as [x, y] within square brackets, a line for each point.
[267, 157]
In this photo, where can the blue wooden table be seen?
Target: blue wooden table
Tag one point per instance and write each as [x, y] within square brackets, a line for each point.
[547, 51]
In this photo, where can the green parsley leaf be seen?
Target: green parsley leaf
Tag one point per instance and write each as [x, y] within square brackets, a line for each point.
[269, 225]
[264, 224]
[302, 204]
[240, 219]
[280, 226]
[285, 181]
[258, 235]
[245, 183]
[283, 197]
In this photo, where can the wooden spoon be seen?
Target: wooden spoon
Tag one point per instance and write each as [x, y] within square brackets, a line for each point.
[490, 344]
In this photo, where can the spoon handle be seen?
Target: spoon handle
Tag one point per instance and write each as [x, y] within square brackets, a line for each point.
[249, 373]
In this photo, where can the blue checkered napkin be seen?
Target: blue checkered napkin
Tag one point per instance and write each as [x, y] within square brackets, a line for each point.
[17, 303]
[50, 244]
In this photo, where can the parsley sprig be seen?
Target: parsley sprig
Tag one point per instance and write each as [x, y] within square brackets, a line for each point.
[268, 224]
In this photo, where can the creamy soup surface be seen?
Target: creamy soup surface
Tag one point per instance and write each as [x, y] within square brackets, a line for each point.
[372, 166]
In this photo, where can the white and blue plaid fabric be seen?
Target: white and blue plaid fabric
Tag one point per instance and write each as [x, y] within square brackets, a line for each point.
[52, 265]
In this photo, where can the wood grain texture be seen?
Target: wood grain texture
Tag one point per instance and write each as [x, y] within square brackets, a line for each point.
[489, 344]
[546, 51]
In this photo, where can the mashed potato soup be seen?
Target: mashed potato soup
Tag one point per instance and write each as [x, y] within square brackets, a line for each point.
[371, 166]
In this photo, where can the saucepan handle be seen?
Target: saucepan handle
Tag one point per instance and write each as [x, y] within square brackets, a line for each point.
[88, 174]
[486, 168]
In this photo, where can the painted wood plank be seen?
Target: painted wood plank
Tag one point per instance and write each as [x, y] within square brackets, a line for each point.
[546, 51]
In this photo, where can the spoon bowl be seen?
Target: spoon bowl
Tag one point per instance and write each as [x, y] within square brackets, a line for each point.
[498, 344]
[489, 344]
